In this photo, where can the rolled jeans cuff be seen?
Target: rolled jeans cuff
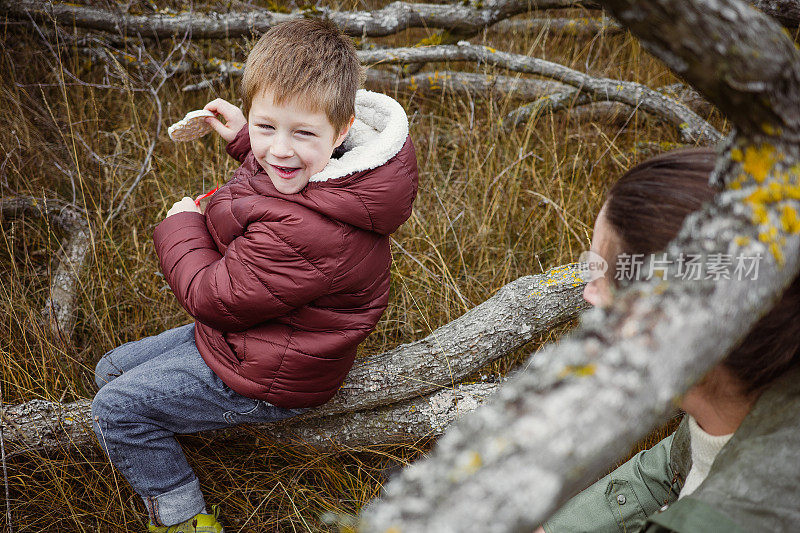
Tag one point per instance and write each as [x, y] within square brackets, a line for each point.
[175, 506]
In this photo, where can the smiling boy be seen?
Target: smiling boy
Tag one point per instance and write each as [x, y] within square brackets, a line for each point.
[285, 272]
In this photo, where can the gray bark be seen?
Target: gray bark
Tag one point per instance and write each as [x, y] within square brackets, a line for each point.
[787, 12]
[59, 308]
[559, 423]
[578, 27]
[403, 422]
[463, 84]
[397, 16]
[457, 18]
[515, 88]
[516, 314]
[582, 106]
[41, 426]
[692, 128]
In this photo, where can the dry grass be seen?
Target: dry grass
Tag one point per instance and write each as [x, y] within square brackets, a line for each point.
[493, 206]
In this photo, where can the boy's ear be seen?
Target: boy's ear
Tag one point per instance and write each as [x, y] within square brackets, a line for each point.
[344, 132]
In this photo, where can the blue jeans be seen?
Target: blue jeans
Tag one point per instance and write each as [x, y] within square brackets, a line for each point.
[150, 390]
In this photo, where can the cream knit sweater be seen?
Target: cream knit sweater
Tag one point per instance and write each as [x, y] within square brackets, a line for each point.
[705, 448]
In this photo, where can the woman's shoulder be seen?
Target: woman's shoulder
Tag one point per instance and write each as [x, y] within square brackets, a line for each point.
[753, 480]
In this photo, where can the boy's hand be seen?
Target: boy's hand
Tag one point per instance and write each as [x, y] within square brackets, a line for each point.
[184, 204]
[234, 118]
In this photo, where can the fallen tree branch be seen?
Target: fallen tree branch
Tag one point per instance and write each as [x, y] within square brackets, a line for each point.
[688, 97]
[410, 421]
[395, 17]
[584, 106]
[576, 27]
[463, 83]
[560, 101]
[517, 88]
[609, 113]
[692, 128]
[519, 312]
[39, 426]
[457, 18]
[59, 309]
[558, 424]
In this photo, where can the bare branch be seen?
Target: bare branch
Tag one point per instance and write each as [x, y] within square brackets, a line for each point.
[59, 309]
[584, 106]
[464, 83]
[578, 27]
[395, 17]
[39, 426]
[691, 126]
[518, 313]
[162, 71]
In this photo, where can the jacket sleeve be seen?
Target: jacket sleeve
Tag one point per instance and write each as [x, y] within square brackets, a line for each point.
[259, 277]
[239, 147]
[622, 500]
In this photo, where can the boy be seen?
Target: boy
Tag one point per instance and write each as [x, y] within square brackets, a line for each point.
[286, 270]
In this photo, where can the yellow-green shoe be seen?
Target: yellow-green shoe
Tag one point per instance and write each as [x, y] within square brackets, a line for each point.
[199, 523]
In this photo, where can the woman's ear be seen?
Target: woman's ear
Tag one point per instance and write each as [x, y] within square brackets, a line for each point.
[344, 132]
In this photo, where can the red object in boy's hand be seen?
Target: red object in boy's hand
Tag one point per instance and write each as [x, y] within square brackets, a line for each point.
[204, 196]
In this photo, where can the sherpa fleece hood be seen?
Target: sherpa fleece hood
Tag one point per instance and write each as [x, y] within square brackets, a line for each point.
[283, 288]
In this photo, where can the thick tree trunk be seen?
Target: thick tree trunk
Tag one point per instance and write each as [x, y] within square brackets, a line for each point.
[516, 314]
[559, 423]
[459, 18]
[41, 426]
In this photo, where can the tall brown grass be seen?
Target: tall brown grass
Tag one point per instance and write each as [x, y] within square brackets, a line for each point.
[493, 206]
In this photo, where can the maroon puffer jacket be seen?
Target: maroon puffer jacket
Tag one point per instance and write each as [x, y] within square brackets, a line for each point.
[284, 287]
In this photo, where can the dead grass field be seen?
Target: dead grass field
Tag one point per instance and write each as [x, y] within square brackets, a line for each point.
[493, 206]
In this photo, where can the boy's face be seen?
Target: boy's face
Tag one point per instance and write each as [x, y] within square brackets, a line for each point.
[290, 141]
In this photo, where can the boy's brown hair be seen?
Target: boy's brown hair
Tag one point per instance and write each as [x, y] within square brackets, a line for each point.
[307, 60]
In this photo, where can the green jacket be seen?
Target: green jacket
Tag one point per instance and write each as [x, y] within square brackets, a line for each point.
[753, 484]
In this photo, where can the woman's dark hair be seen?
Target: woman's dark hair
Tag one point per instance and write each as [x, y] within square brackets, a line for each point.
[646, 208]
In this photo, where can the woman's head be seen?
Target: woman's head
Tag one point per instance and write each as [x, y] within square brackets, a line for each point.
[645, 210]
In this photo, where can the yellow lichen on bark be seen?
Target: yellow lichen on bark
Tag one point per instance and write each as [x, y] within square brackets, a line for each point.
[580, 371]
[758, 161]
[769, 129]
[790, 221]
